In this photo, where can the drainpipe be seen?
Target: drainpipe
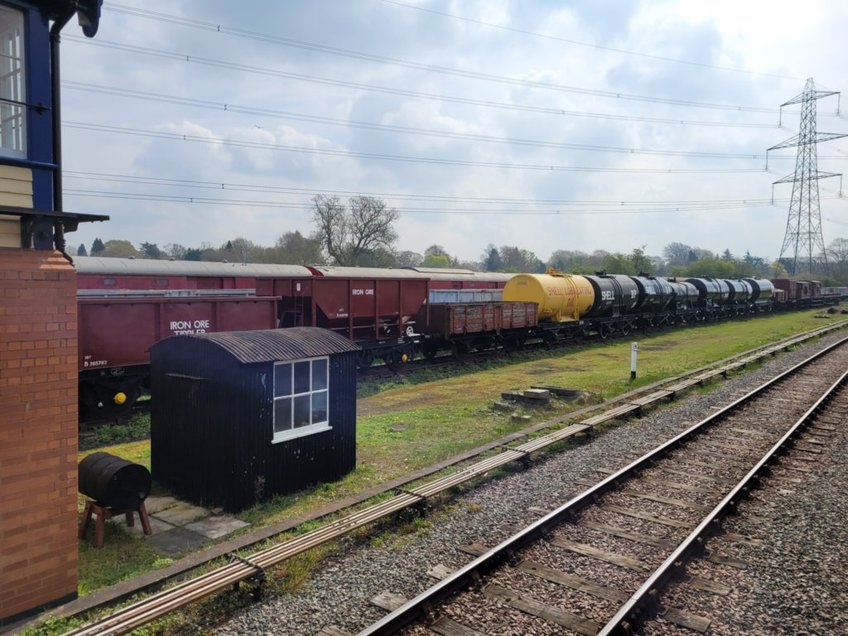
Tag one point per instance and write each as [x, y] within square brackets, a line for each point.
[58, 227]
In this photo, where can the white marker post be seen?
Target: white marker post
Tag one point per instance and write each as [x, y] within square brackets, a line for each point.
[634, 349]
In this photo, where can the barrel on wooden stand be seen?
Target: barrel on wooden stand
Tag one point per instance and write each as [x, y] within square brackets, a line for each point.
[116, 486]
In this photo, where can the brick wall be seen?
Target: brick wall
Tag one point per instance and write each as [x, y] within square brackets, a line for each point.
[38, 430]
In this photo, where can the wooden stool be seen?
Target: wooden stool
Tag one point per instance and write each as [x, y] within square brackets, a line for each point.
[103, 513]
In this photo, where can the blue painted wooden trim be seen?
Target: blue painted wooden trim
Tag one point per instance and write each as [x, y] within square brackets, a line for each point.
[39, 124]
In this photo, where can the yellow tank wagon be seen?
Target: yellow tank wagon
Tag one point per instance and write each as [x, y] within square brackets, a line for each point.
[560, 297]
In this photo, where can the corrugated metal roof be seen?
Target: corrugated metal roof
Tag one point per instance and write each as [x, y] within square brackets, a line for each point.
[153, 267]
[266, 345]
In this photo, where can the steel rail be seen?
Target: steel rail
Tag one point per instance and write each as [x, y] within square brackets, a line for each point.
[624, 620]
[486, 562]
[173, 598]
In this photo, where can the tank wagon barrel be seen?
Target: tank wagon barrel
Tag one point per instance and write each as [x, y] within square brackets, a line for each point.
[711, 290]
[740, 291]
[655, 293]
[615, 295]
[761, 289]
[560, 297]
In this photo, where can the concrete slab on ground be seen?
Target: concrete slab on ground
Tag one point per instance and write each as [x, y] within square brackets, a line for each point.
[182, 513]
[156, 525]
[216, 526]
[156, 504]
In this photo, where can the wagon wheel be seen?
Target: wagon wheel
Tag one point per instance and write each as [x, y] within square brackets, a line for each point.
[88, 400]
[604, 331]
[429, 350]
[111, 400]
[393, 360]
[459, 350]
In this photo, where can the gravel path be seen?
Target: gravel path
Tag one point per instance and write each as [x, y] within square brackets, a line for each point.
[340, 592]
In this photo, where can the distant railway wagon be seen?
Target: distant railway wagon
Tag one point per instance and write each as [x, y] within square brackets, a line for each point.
[115, 332]
[607, 304]
[802, 293]
[462, 278]
[463, 327]
[378, 309]
[834, 292]
[95, 272]
[443, 296]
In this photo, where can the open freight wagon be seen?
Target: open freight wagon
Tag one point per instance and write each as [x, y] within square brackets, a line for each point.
[116, 330]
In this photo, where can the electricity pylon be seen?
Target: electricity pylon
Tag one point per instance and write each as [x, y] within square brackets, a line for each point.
[803, 225]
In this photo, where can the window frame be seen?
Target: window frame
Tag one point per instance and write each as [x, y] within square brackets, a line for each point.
[18, 81]
[294, 432]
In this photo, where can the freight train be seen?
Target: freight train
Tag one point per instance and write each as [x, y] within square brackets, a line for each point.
[126, 305]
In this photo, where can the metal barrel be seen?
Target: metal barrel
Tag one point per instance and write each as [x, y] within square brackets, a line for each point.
[114, 482]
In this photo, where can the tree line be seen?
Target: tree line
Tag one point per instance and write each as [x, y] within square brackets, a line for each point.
[360, 232]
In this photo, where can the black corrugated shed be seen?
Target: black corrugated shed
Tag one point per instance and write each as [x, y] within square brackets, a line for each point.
[215, 438]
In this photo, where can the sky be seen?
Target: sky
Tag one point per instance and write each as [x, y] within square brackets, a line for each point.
[549, 125]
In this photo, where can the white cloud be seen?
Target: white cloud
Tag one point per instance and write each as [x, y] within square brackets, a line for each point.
[775, 40]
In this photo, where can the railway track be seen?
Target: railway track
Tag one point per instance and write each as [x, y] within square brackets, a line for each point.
[389, 371]
[251, 568]
[597, 564]
[483, 355]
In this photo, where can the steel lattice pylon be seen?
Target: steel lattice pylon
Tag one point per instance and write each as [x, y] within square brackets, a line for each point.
[803, 225]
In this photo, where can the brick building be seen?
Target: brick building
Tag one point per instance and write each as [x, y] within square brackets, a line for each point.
[38, 330]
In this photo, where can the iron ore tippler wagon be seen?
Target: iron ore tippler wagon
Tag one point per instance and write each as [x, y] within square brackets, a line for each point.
[242, 416]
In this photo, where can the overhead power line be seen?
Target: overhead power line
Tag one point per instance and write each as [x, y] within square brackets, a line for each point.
[201, 103]
[599, 47]
[441, 161]
[101, 177]
[169, 198]
[389, 90]
[444, 70]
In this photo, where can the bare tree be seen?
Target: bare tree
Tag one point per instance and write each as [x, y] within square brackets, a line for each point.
[838, 250]
[515, 259]
[409, 259]
[677, 253]
[348, 232]
[175, 251]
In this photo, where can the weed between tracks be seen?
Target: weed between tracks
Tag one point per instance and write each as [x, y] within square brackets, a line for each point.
[415, 421]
